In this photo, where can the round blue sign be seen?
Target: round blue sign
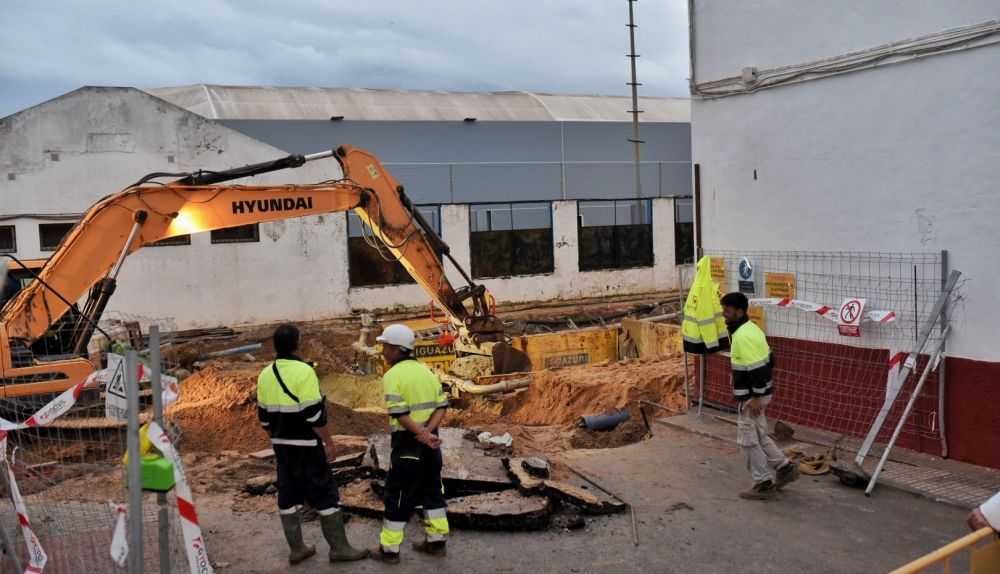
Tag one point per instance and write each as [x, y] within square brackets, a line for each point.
[745, 269]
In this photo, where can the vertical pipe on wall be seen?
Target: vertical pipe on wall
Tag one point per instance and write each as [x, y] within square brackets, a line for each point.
[635, 100]
[944, 360]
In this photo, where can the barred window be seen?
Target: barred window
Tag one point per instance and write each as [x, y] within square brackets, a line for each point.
[179, 240]
[683, 230]
[51, 234]
[511, 239]
[8, 239]
[249, 233]
[370, 261]
[615, 234]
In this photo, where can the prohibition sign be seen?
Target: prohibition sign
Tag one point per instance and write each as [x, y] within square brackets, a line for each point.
[850, 311]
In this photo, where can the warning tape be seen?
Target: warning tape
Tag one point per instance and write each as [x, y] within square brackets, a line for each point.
[119, 541]
[36, 554]
[822, 310]
[194, 543]
[55, 408]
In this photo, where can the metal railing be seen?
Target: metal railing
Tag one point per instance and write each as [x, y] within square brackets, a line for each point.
[942, 556]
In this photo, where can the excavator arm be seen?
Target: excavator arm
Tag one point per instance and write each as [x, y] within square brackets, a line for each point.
[91, 255]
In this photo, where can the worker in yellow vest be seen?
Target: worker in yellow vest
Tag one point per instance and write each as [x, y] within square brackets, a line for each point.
[752, 363]
[291, 409]
[416, 406]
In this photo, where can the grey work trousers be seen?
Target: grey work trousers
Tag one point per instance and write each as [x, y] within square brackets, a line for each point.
[759, 452]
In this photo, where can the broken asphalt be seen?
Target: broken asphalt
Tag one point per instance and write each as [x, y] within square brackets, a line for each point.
[683, 488]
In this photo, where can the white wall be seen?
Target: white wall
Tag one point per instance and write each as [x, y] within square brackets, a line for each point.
[900, 158]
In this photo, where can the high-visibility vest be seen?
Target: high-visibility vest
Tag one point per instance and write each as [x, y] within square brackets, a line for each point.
[290, 412]
[704, 328]
[412, 389]
[751, 361]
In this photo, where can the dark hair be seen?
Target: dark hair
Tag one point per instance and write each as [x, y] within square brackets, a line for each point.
[736, 300]
[286, 339]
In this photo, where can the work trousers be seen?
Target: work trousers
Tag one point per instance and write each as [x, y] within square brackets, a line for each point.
[414, 479]
[304, 476]
[759, 452]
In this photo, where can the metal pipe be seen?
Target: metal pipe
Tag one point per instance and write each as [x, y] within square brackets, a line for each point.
[134, 465]
[501, 387]
[602, 422]
[944, 363]
[223, 353]
[162, 523]
[906, 412]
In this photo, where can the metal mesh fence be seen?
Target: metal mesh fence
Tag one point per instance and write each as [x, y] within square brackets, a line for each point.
[69, 469]
[823, 379]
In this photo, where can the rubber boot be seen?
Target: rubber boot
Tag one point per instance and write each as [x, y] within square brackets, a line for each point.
[432, 548]
[340, 548]
[292, 528]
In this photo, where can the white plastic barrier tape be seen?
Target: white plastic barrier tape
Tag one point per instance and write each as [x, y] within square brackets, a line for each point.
[194, 543]
[822, 310]
[36, 554]
[119, 541]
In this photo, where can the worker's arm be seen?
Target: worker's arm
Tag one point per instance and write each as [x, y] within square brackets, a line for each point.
[436, 419]
[988, 514]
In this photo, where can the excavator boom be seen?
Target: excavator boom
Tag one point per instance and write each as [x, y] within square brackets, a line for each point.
[91, 255]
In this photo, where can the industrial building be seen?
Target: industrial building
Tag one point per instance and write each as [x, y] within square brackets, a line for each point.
[535, 193]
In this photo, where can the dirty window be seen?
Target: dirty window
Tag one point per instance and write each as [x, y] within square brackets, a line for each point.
[50, 234]
[370, 262]
[511, 239]
[615, 234]
[249, 233]
[683, 230]
[8, 241]
[179, 240]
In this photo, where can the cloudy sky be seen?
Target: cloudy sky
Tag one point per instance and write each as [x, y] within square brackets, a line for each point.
[565, 46]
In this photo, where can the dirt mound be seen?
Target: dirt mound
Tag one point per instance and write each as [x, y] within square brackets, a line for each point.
[563, 395]
[218, 411]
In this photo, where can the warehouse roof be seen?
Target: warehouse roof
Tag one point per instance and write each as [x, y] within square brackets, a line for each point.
[284, 103]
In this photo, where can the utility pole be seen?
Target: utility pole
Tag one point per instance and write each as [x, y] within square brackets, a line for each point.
[635, 111]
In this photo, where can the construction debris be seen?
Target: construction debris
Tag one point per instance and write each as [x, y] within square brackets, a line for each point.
[537, 467]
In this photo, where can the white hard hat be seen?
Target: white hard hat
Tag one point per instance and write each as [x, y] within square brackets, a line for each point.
[399, 335]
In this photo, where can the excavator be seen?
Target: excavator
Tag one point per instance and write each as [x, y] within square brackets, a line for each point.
[44, 328]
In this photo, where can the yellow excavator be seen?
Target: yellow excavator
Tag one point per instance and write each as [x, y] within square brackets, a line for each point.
[44, 333]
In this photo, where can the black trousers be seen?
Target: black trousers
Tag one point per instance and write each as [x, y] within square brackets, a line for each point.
[414, 479]
[304, 475]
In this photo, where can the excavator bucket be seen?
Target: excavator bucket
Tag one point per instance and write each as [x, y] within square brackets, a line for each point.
[507, 359]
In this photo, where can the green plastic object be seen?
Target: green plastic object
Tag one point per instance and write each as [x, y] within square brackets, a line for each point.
[157, 473]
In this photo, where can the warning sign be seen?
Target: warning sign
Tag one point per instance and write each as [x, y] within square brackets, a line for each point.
[849, 317]
[780, 285]
[116, 403]
[719, 272]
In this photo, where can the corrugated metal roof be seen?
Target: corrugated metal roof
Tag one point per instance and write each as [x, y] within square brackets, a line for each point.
[280, 103]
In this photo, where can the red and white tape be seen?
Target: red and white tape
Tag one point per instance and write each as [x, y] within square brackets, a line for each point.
[119, 540]
[822, 310]
[56, 407]
[36, 554]
[194, 543]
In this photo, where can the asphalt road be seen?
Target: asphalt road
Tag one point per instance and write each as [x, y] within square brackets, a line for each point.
[683, 488]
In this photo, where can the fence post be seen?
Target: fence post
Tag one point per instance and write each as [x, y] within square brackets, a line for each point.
[8, 545]
[161, 497]
[135, 565]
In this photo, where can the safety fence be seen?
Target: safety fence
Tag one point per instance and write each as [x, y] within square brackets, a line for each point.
[984, 555]
[67, 483]
[830, 374]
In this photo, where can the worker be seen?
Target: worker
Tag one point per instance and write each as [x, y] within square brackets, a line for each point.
[416, 406]
[987, 514]
[752, 363]
[292, 410]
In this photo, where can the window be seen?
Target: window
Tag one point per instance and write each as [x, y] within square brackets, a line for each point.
[179, 240]
[8, 239]
[367, 255]
[683, 230]
[249, 233]
[511, 239]
[615, 234]
[50, 234]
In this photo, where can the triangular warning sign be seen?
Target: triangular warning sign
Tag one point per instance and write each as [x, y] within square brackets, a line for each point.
[116, 379]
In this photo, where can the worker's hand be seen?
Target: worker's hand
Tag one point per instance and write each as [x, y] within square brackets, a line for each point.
[753, 406]
[976, 520]
[428, 439]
